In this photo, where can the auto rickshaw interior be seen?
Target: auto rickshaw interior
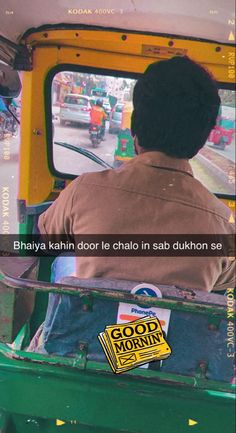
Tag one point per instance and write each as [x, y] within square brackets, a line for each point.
[55, 126]
[71, 123]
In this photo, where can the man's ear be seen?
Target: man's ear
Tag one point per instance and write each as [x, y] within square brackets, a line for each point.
[138, 149]
[136, 145]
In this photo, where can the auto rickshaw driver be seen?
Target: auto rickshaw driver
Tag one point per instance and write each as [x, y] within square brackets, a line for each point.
[153, 193]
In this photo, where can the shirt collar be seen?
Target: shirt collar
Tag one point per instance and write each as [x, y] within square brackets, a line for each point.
[159, 159]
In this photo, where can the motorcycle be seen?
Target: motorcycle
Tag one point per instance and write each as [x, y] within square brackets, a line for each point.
[8, 122]
[95, 132]
[8, 125]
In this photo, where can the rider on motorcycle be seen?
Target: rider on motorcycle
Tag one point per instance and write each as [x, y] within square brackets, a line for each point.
[5, 117]
[98, 117]
[8, 123]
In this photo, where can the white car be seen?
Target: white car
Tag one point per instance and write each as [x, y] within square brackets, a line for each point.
[75, 108]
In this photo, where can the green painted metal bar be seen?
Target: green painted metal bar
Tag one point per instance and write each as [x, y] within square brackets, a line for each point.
[112, 295]
[79, 362]
[106, 401]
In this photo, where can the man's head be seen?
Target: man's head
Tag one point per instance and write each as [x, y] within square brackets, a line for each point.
[99, 102]
[176, 104]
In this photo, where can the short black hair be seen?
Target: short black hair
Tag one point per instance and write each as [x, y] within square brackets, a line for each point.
[176, 103]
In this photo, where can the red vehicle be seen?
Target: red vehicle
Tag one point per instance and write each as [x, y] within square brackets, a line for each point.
[223, 132]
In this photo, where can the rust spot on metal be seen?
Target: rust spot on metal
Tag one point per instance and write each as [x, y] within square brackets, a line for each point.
[187, 294]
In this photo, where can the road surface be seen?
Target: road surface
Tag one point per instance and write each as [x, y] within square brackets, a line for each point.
[228, 152]
[67, 161]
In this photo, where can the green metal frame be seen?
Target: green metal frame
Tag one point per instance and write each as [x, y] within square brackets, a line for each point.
[37, 390]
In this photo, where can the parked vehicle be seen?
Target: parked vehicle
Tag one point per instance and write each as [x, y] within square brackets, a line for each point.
[75, 108]
[99, 93]
[222, 134]
[116, 119]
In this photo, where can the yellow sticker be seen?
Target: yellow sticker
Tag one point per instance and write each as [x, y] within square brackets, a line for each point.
[159, 51]
[135, 343]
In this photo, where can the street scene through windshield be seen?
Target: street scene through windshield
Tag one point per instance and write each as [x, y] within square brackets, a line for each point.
[74, 97]
[74, 94]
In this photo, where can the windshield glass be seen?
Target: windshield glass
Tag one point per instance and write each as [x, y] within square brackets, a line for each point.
[213, 166]
[72, 126]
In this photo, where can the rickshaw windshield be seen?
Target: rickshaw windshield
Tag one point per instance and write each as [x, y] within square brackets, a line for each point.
[213, 166]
